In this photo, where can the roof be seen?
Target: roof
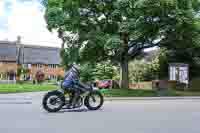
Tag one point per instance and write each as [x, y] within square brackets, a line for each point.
[39, 55]
[29, 54]
[8, 51]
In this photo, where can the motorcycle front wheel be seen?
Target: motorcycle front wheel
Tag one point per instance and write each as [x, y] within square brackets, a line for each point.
[53, 101]
[94, 100]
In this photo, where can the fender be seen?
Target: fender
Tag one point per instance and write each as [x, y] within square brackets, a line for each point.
[59, 92]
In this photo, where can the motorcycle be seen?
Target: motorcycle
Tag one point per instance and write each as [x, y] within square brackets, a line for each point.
[55, 100]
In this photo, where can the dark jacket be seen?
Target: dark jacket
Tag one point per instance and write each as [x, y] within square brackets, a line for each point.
[72, 74]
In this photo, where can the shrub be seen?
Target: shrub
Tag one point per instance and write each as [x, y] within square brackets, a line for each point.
[100, 71]
[194, 85]
[60, 78]
[19, 82]
[40, 76]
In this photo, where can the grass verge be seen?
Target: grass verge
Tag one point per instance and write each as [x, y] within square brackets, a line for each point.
[17, 88]
[146, 93]
[128, 93]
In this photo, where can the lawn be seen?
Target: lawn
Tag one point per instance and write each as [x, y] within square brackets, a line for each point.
[16, 88]
[188, 93]
[146, 93]
[128, 93]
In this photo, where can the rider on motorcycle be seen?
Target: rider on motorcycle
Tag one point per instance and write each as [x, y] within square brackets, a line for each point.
[71, 81]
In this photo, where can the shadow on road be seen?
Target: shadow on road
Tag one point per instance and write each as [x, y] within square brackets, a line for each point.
[77, 110]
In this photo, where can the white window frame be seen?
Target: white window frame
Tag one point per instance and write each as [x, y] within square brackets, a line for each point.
[39, 65]
[53, 66]
[52, 77]
[25, 66]
[29, 66]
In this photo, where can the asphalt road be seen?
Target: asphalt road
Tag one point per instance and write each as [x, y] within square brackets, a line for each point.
[23, 113]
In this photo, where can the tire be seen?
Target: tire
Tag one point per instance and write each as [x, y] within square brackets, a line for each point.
[59, 96]
[87, 103]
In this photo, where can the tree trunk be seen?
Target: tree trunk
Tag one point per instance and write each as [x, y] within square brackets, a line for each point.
[63, 44]
[124, 77]
[124, 73]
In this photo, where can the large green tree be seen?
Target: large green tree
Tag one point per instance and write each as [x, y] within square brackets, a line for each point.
[99, 71]
[118, 30]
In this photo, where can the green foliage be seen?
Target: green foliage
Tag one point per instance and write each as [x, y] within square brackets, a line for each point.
[60, 78]
[105, 71]
[119, 30]
[100, 22]
[163, 61]
[157, 68]
[69, 56]
[100, 71]
[87, 72]
[139, 71]
[21, 70]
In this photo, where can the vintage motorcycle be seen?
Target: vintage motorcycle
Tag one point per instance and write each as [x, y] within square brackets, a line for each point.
[56, 100]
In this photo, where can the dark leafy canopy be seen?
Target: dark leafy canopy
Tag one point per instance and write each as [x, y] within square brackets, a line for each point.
[119, 30]
[147, 22]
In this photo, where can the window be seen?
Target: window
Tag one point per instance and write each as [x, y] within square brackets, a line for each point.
[52, 77]
[29, 66]
[25, 65]
[52, 66]
[39, 65]
[49, 66]
[1, 76]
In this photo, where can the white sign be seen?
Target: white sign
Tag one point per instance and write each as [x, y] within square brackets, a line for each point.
[179, 72]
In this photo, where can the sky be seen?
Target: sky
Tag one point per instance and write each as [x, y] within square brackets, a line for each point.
[25, 18]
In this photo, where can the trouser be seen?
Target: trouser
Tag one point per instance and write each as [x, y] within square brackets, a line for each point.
[77, 89]
[74, 98]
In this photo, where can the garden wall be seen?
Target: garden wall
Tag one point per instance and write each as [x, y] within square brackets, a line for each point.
[141, 85]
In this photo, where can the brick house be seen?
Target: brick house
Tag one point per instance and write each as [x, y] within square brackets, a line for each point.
[14, 55]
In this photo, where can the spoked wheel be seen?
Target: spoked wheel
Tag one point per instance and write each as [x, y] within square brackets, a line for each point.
[94, 100]
[53, 101]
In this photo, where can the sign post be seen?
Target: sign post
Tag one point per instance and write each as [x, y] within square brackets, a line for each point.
[179, 72]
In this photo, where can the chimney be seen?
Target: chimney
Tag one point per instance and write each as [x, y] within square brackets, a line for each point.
[19, 49]
[18, 40]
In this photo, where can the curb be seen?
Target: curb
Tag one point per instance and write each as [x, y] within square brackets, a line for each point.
[17, 102]
[149, 98]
